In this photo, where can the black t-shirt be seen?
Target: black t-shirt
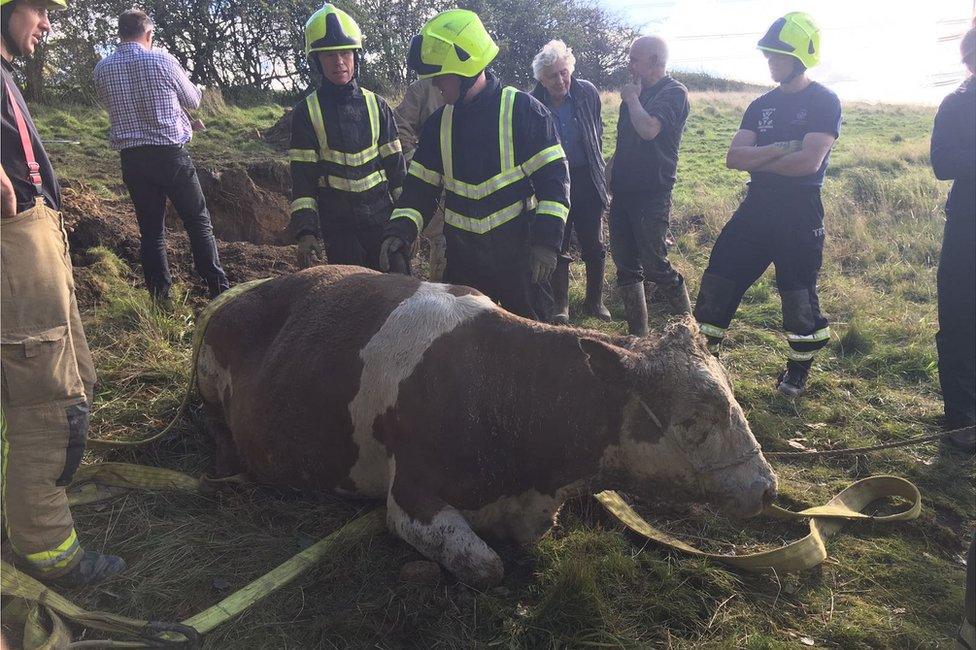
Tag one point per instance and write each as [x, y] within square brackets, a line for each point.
[12, 151]
[781, 117]
[651, 165]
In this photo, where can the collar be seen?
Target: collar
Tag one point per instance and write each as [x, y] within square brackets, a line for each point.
[657, 85]
[339, 93]
[493, 88]
[130, 46]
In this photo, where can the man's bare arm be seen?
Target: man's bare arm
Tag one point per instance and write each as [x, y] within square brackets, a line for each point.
[804, 162]
[8, 199]
[745, 156]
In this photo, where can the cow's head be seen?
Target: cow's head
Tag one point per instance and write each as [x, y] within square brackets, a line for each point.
[681, 425]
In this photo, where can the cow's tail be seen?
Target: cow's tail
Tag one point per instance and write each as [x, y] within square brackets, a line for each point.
[198, 334]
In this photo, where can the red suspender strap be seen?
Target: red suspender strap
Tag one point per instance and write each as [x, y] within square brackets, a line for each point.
[33, 169]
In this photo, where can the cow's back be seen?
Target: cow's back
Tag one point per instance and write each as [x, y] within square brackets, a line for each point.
[282, 363]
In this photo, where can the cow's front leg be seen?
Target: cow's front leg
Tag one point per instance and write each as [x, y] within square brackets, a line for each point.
[441, 533]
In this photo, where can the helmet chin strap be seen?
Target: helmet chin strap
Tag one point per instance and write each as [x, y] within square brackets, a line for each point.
[466, 84]
[798, 69]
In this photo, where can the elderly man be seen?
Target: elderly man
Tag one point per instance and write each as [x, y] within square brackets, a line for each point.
[147, 95]
[48, 376]
[653, 112]
[419, 102]
[575, 105]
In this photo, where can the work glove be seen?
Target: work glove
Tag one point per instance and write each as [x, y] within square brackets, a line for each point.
[543, 263]
[310, 251]
[393, 256]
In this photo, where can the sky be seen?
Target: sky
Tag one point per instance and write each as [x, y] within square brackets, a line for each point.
[872, 50]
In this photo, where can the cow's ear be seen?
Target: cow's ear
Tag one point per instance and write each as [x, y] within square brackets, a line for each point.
[607, 362]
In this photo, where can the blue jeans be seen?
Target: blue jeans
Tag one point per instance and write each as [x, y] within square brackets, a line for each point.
[152, 174]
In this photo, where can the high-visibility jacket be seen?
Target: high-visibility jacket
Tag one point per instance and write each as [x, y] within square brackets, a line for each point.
[345, 160]
[504, 174]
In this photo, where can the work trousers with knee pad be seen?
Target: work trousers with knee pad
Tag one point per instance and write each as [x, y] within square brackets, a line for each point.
[639, 224]
[47, 383]
[779, 226]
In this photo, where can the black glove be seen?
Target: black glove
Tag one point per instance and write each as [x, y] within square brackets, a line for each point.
[394, 256]
[309, 249]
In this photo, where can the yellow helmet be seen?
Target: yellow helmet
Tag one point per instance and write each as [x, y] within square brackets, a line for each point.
[50, 5]
[331, 28]
[795, 34]
[452, 42]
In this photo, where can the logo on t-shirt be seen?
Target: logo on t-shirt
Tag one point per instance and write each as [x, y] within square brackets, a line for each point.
[801, 117]
[766, 121]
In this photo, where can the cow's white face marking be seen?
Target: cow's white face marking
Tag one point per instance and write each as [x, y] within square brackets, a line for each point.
[389, 358]
[214, 381]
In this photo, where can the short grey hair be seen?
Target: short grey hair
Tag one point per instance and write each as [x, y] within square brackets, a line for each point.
[552, 53]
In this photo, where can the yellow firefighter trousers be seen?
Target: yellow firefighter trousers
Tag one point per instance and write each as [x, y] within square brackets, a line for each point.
[47, 381]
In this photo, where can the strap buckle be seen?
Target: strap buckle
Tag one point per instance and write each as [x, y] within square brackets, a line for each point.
[34, 175]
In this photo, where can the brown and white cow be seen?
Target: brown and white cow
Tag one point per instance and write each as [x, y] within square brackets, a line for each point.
[467, 419]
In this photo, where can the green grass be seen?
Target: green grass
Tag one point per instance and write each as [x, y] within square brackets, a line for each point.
[587, 583]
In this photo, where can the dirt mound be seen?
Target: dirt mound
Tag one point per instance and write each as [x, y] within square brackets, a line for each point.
[246, 203]
[279, 135]
[92, 221]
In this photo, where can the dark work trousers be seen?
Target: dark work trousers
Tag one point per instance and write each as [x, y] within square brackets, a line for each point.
[585, 216]
[638, 229]
[153, 174]
[779, 226]
[359, 247]
[956, 339]
[512, 288]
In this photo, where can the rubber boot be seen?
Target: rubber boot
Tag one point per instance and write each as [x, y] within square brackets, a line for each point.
[92, 569]
[593, 305]
[635, 307]
[677, 296]
[560, 293]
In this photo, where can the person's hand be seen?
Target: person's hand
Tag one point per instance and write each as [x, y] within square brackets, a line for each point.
[197, 125]
[8, 198]
[630, 91]
[543, 263]
[393, 256]
[310, 251]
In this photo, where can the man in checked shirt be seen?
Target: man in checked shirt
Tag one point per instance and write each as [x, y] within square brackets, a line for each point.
[147, 95]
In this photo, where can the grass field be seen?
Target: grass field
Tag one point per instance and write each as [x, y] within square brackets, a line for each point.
[586, 583]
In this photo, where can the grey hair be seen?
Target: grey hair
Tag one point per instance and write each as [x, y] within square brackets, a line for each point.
[552, 53]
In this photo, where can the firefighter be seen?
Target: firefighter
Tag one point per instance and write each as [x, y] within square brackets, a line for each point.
[784, 142]
[345, 157]
[496, 153]
[48, 375]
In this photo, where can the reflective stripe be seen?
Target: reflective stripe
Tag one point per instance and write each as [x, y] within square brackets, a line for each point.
[793, 355]
[357, 184]
[711, 330]
[447, 156]
[424, 174]
[554, 208]
[349, 159]
[390, 148]
[543, 158]
[483, 225]
[304, 203]
[409, 213]
[819, 335]
[509, 172]
[57, 558]
[303, 155]
[506, 143]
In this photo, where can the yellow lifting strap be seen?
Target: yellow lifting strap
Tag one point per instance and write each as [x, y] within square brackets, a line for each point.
[203, 319]
[825, 521]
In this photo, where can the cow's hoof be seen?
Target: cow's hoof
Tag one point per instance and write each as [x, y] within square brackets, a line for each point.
[483, 576]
